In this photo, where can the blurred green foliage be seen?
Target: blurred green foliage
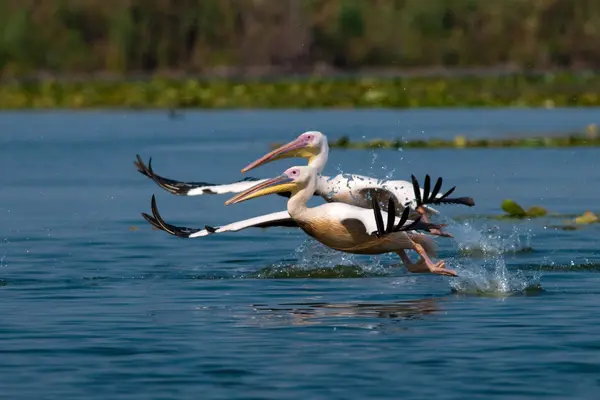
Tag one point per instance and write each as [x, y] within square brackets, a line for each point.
[461, 142]
[514, 91]
[90, 53]
[195, 36]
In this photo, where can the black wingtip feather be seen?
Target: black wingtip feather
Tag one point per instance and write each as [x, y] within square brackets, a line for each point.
[141, 167]
[152, 221]
[178, 188]
[436, 188]
[431, 197]
[426, 187]
[157, 221]
[417, 190]
[391, 215]
[448, 193]
[465, 201]
[378, 217]
[403, 219]
[411, 225]
[181, 188]
[390, 228]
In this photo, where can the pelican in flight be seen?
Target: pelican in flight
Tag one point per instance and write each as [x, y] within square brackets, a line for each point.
[351, 189]
[340, 226]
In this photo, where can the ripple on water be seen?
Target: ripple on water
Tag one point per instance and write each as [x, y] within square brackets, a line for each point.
[354, 314]
[295, 272]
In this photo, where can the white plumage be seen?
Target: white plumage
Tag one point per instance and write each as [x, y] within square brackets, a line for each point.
[345, 188]
[280, 218]
[236, 187]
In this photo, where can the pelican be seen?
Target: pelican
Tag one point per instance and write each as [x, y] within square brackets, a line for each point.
[350, 228]
[341, 226]
[280, 219]
[276, 219]
[345, 188]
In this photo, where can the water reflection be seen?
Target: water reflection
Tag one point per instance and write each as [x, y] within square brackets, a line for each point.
[357, 315]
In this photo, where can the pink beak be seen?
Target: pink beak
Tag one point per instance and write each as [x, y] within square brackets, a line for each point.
[293, 145]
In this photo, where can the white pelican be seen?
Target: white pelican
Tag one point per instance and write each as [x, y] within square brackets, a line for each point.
[276, 219]
[281, 219]
[345, 188]
[340, 226]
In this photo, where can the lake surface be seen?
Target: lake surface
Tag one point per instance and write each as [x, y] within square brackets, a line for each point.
[96, 304]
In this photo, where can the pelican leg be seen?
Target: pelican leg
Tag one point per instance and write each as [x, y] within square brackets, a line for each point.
[423, 213]
[416, 268]
[437, 268]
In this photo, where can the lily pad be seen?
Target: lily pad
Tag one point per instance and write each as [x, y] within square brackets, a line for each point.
[513, 209]
[588, 217]
[460, 141]
[536, 211]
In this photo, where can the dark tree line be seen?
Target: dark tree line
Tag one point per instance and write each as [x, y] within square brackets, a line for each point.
[195, 36]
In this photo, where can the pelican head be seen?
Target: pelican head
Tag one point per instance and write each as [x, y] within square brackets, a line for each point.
[307, 145]
[292, 180]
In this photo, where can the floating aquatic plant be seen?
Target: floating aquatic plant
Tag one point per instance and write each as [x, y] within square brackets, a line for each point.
[588, 138]
[588, 217]
[562, 90]
[514, 210]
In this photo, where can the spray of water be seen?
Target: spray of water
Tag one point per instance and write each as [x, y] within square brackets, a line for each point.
[481, 265]
[318, 261]
[383, 172]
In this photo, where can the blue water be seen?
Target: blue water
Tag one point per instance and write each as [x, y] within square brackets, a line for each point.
[96, 304]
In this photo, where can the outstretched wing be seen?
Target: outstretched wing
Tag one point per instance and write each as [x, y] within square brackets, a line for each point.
[277, 219]
[425, 196]
[397, 225]
[358, 190]
[195, 188]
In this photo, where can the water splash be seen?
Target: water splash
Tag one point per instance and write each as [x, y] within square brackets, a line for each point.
[376, 170]
[490, 240]
[487, 273]
[312, 254]
[317, 260]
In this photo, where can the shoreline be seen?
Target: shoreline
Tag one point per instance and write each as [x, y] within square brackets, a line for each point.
[516, 90]
[590, 137]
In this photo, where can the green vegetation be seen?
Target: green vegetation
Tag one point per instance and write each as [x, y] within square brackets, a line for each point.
[589, 138]
[250, 36]
[587, 217]
[514, 210]
[548, 90]
[84, 54]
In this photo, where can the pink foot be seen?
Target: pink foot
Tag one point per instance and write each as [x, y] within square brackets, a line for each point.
[440, 269]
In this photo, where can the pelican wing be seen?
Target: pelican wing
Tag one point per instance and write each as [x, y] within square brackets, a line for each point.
[358, 190]
[195, 188]
[355, 217]
[276, 219]
[424, 196]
